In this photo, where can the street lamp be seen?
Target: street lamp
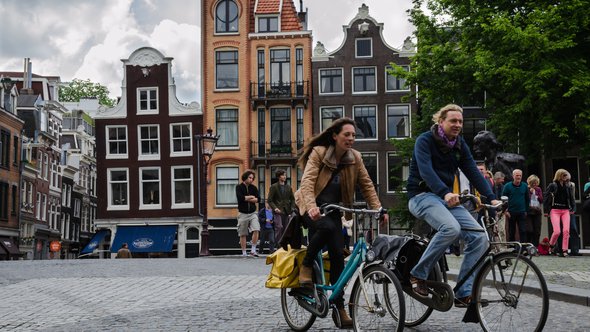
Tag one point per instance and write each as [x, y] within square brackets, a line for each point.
[206, 146]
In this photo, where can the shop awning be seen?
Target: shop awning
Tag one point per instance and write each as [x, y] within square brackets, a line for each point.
[145, 238]
[95, 241]
[10, 246]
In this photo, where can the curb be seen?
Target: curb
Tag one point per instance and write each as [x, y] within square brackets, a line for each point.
[556, 292]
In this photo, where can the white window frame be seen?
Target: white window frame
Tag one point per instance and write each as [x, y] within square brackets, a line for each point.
[358, 138]
[405, 172]
[356, 48]
[387, 120]
[143, 206]
[173, 180]
[77, 208]
[190, 139]
[110, 155]
[111, 207]
[257, 22]
[140, 140]
[44, 207]
[217, 183]
[235, 124]
[322, 108]
[341, 80]
[364, 92]
[45, 166]
[148, 110]
[387, 75]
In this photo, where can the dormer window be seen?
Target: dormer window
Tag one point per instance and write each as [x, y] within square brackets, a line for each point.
[226, 17]
[364, 48]
[268, 24]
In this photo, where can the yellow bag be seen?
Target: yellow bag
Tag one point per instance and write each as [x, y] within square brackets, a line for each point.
[284, 272]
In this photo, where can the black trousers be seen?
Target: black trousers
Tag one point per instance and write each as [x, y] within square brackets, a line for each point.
[327, 232]
[517, 218]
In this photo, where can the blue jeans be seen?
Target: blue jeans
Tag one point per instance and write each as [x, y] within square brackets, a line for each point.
[448, 223]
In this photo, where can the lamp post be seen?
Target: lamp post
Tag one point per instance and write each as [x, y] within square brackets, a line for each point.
[206, 145]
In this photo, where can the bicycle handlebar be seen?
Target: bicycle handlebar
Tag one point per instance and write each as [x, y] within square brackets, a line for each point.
[326, 209]
[465, 196]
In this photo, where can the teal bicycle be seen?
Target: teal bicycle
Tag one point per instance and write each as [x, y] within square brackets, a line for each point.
[376, 300]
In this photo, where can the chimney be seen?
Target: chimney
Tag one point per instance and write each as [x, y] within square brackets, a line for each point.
[302, 15]
[27, 78]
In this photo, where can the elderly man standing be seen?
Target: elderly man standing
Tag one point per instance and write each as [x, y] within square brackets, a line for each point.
[518, 205]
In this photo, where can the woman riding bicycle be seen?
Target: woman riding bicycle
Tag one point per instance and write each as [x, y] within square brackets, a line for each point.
[438, 154]
[332, 169]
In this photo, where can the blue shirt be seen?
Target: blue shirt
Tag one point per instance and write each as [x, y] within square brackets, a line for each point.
[518, 197]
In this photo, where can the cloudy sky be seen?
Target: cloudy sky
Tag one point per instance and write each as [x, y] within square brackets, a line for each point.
[86, 39]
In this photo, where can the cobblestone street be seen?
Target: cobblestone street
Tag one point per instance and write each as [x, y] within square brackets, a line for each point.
[202, 294]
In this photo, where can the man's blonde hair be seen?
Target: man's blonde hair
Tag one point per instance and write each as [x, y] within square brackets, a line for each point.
[442, 113]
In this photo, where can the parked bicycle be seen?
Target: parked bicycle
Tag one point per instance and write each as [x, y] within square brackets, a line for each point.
[376, 300]
[509, 291]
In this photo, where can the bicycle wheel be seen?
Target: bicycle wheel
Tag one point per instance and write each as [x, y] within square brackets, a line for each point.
[374, 309]
[296, 316]
[511, 295]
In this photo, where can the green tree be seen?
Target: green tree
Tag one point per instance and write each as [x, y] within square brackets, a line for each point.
[529, 57]
[77, 89]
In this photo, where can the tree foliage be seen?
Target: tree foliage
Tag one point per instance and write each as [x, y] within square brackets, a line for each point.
[529, 58]
[77, 89]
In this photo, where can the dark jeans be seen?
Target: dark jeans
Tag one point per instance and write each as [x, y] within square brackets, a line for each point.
[267, 234]
[327, 232]
[534, 231]
[517, 218]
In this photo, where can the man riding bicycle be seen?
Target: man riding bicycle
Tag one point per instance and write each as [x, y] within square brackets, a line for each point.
[438, 155]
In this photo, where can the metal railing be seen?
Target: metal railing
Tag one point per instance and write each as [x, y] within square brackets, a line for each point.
[270, 149]
[279, 90]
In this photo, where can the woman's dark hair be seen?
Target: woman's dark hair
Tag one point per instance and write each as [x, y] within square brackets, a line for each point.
[325, 138]
[247, 173]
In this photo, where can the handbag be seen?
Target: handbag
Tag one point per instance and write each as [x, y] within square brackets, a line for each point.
[535, 205]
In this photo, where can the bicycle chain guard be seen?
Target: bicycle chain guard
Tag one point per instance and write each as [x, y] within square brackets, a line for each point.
[318, 307]
[441, 296]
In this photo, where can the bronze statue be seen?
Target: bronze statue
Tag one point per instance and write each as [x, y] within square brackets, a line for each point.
[485, 147]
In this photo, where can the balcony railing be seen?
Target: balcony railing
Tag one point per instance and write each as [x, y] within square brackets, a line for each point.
[276, 149]
[281, 91]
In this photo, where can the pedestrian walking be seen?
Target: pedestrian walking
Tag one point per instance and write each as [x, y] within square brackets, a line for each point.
[518, 205]
[534, 216]
[267, 232]
[124, 252]
[281, 200]
[248, 196]
[560, 204]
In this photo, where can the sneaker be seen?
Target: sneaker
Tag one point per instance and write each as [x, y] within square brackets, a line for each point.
[419, 287]
[463, 302]
[254, 254]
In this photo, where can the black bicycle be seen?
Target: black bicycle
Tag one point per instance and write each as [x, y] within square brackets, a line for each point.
[509, 291]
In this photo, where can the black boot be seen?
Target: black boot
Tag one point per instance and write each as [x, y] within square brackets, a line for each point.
[341, 318]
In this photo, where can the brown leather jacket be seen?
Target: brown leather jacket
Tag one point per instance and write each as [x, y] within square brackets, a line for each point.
[318, 171]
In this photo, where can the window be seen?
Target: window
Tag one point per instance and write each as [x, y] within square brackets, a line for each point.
[329, 114]
[45, 166]
[363, 80]
[4, 148]
[44, 207]
[261, 132]
[364, 48]
[15, 150]
[3, 200]
[38, 207]
[227, 180]
[14, 200]
[261, 74]
[300, 140]
[280, 130]
[366, 121]
[226, 17]
[118, 190]
[331, 81]
[395, 83]
[280, 71]
[471, 127]
[370, 161]
[397, 172]
[147, 99]
[398, 121]
[116, 142]
[299, 90]
[182, 187]
[77, 208]
[149, 142]
[268, 24]
[149, 188]
[181, 143]
[226, 121]
[226, 70]
[262, 183]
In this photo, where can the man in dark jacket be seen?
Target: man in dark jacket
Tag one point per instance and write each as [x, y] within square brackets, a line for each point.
[282, 202]
[438, 154]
